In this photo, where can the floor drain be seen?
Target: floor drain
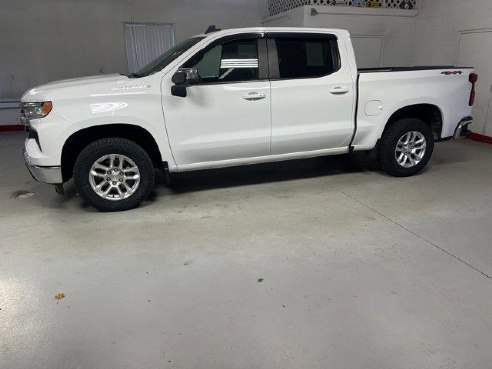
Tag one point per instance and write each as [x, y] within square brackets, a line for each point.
[23, 194]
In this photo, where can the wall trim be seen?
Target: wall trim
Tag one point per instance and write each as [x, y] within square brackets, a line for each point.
[480, 138]
[11, 127]
[352, 10]
[10, 104]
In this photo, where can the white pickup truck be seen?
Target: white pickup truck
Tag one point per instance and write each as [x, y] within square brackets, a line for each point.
[236, 97]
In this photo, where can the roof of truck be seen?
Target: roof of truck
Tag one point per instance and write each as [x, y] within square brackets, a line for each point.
[232, 31]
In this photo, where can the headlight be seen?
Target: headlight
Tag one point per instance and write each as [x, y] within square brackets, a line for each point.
[33, 110]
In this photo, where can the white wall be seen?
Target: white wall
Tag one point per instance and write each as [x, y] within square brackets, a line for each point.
[397, 27]
[46, 40]
[397, 30]
[429, 37]
[291, 18]
[439, 23]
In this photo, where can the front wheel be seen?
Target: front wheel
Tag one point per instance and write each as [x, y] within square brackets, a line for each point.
[114, 174]
[406, 147]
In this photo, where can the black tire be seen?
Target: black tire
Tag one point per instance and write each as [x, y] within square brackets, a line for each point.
[109, 146]
[386, 153]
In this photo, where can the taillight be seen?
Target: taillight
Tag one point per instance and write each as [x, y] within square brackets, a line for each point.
[473, 78]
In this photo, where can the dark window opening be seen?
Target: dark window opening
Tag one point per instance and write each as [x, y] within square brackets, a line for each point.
[307, 58]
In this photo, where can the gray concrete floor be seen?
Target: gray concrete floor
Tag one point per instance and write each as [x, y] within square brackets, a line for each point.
[323, 263]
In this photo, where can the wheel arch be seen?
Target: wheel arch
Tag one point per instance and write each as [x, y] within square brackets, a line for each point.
[80, 139]
[429, 113]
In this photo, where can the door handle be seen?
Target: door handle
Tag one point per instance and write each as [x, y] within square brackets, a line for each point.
[253, 96]
[339, 91]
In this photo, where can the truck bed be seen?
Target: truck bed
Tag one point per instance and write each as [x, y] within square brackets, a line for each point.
[384, 91]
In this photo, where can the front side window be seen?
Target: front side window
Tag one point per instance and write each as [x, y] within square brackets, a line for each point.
[307, 57]
[234, 61]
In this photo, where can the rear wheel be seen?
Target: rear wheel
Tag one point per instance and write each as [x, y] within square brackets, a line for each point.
[114, 174]
[406, 147]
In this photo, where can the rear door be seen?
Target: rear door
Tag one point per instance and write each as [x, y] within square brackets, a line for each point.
[313, 93]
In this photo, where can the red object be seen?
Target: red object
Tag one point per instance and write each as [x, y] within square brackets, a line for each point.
[473, 78]
[472, 97]
[480, 138]
[11, 128]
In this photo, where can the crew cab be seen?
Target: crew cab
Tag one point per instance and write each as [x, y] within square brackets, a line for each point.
[236, 97]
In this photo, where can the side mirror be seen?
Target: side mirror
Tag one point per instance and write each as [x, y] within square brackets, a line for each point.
[183, 78]
[179, 77]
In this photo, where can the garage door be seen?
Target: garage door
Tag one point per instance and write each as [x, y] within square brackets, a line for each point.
[475, 50]
[368, 51]
[145, 42]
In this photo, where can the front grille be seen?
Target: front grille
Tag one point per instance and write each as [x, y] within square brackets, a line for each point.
[31, 132]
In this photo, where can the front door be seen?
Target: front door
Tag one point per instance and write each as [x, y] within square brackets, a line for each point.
[313, 93]
[227, 115]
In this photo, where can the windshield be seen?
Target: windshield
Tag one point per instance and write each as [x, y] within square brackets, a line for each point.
[167, 58]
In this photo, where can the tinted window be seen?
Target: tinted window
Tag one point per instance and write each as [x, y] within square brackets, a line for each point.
[307, 58]
[233, 61]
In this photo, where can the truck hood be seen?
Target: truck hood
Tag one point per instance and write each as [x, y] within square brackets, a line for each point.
[79, 87]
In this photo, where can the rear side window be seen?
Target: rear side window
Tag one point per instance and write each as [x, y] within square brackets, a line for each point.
[307, 57]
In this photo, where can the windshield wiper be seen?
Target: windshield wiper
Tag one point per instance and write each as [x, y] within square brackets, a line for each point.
[132, 75]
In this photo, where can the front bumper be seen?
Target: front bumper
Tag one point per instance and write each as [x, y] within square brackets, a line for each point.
[51, 175]
[462, 128]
